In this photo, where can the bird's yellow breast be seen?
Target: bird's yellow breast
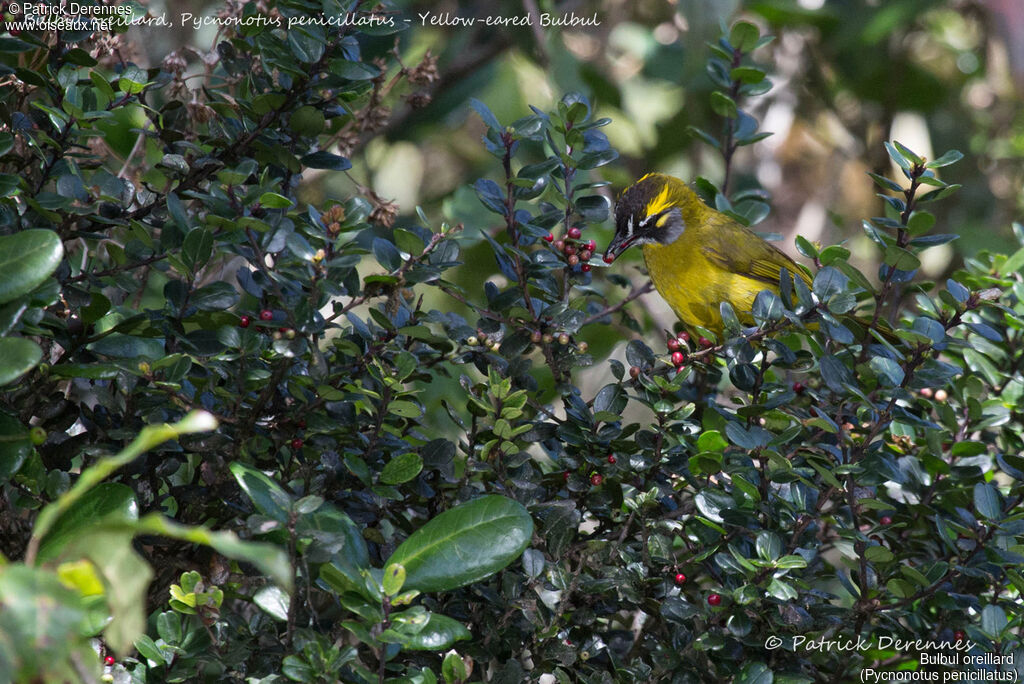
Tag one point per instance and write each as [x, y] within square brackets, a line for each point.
[695, 287]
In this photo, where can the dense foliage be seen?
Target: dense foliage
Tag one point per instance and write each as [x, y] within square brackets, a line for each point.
[252, 436]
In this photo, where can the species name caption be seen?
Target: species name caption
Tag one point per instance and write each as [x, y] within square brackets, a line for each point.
[73, 16]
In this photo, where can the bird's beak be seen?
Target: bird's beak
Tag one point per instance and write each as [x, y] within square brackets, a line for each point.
[619, 244]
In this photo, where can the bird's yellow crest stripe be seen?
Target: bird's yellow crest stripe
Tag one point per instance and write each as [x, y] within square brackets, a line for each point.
[660, 202]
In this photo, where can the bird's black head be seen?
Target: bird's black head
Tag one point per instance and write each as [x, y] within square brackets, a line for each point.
[649, 211]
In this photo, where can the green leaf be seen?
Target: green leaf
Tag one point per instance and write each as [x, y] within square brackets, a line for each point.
[889, 372]
[747, 75]
[401, 469]
[723, 105]
[453, 668]
[274, 601]
[485, 113]
[878, 554]
[26, 260]
[394, 579]
[897, 157]
[755, 673]
[387, 254]
[993, 621]
[15, 446]
[902, 259]
[17, 357]
[266, 495]
[464, 544]
[214, 297]
[406, 409]
[907, 153]
[272, 200]
[987, 501]
[326, 160]
[711, 440]
[886, 183]
[712, 502]
[744, 36]
[950, 157]
[132, 81]
[353, 71]
[940, 193]
[439, 633]
[107, 500]
[45, 618]
[769, 545]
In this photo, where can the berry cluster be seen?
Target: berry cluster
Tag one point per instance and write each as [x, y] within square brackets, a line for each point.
[266, 315]
[572, 247]
[537, 337]
[680, 346]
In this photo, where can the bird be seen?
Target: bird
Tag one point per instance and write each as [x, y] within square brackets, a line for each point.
[697, 257]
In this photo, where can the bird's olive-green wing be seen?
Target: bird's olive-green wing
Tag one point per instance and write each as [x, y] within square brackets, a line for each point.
[742, 251]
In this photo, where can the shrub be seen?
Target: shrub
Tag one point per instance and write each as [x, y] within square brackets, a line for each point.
[410, 462]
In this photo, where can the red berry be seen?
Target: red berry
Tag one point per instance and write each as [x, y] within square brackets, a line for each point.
[565, 476]
[677, 358]
[266, 315]
[673, 344]
[798, 387]
[634, 372]
[585, 268]
[611, 458]
[296, 443]
[244, 322]
[608, 258]
[684, 337]
[704, 342]
[301, 424]
[959, 635]
[109, 660]
[574, 233]
[885, 520]
[569, 250]
[591, 246]
[549, 238]
[585, 255]
[714, 600]
[596, 479]
[680, 578]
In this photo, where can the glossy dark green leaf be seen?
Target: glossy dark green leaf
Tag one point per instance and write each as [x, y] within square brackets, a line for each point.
[440, 632]
[889, 372]
[106, 500]
[326, 160]
[387, 254]
[15, 446]
[987, 501]
[464, 544]
[267, 496]
[214, 297]
[401, 468]
[755, 673]
[26, 260]
[17, 357]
